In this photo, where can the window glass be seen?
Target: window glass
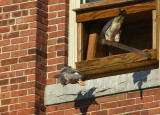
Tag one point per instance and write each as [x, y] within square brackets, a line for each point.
[87, 1]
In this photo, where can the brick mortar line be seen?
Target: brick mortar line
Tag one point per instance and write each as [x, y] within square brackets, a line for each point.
[19, 110]
[55, 44]
[9, 12]
[12, 4]
[19, 89]
[17, 25]
[18, 45]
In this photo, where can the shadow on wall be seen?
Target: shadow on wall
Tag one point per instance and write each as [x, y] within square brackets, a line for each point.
[83, 105]
[140, 78]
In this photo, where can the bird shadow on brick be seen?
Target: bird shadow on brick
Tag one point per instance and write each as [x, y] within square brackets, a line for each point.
[140, 78]
[84, 101]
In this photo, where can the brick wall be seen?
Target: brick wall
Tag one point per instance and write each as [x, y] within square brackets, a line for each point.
[33, 47]
[120, 104]
[22, 58]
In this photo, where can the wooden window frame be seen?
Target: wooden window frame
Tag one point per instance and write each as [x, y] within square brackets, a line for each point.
[100, 67]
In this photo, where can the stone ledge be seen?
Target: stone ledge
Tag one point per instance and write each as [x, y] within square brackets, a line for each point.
[55, 93]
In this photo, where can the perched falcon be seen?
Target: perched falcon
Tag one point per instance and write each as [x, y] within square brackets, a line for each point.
[70, 76]
[111, 31]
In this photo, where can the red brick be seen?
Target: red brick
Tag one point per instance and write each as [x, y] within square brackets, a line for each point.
[10, 48]
[28, 45]
[27, 98]
[30, 18]
[133, 95]
[51, 55]
[63, 1]
[93, 108]
[4, 42]
[27, 58]
[19, 73]
[57, 34]
[151, 105]
[4, 15]
[57, 60]
[4, 108]
[72, 111]
[19, 66]
[33, 11]
[29, 71]
[9, 88]
[151, 92]
[19, 1]
[126, 102]
[16, 14]
[9, 101]
[28, 32]
[116, 111]
[4, 68]
[145, 112]
[31, 77]
[32, 64]
[19, 20]
[19, 93]
[154, 111]
[104, 112]
[11, 35]
[109, 105]
[42, 27]
[25, 12]
[63, 13]
[18, 80]
[57, 21]
[58, 7]
[134, 107]
[26, 111]
[7, 22]
[144, 99]
[62, 27]
[26, 85]
[4, 29]
[7, 75]
[6, 2]
[28, 5]
[4, 95]
[51, 68]
[156, 97]
[20, 27]
[133, 113]
[10, 8]
[52, 15]
[4, 82]
[19, 40]
[9, 61]
[33, 25]
[19, 53]
[18, 106]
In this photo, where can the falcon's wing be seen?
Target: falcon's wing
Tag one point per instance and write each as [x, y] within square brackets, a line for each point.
[106, 26]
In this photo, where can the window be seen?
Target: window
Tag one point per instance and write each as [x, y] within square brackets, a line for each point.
[138, 31]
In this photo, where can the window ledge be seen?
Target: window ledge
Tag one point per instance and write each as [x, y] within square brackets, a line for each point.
[117, 64]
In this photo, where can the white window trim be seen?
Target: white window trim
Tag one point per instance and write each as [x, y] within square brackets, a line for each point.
[72, 51]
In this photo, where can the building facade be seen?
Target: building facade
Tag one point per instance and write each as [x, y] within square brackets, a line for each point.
[35, 44]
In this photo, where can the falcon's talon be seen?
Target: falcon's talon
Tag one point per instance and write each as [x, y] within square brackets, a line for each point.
[62, 85]
[81, 83]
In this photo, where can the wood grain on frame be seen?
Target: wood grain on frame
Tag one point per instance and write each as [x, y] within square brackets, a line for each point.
[100, 14]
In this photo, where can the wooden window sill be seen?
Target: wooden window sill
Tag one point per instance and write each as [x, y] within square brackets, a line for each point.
[117, 64]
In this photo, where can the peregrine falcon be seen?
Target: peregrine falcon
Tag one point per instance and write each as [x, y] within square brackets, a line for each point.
[70, 75]
[111, 30]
